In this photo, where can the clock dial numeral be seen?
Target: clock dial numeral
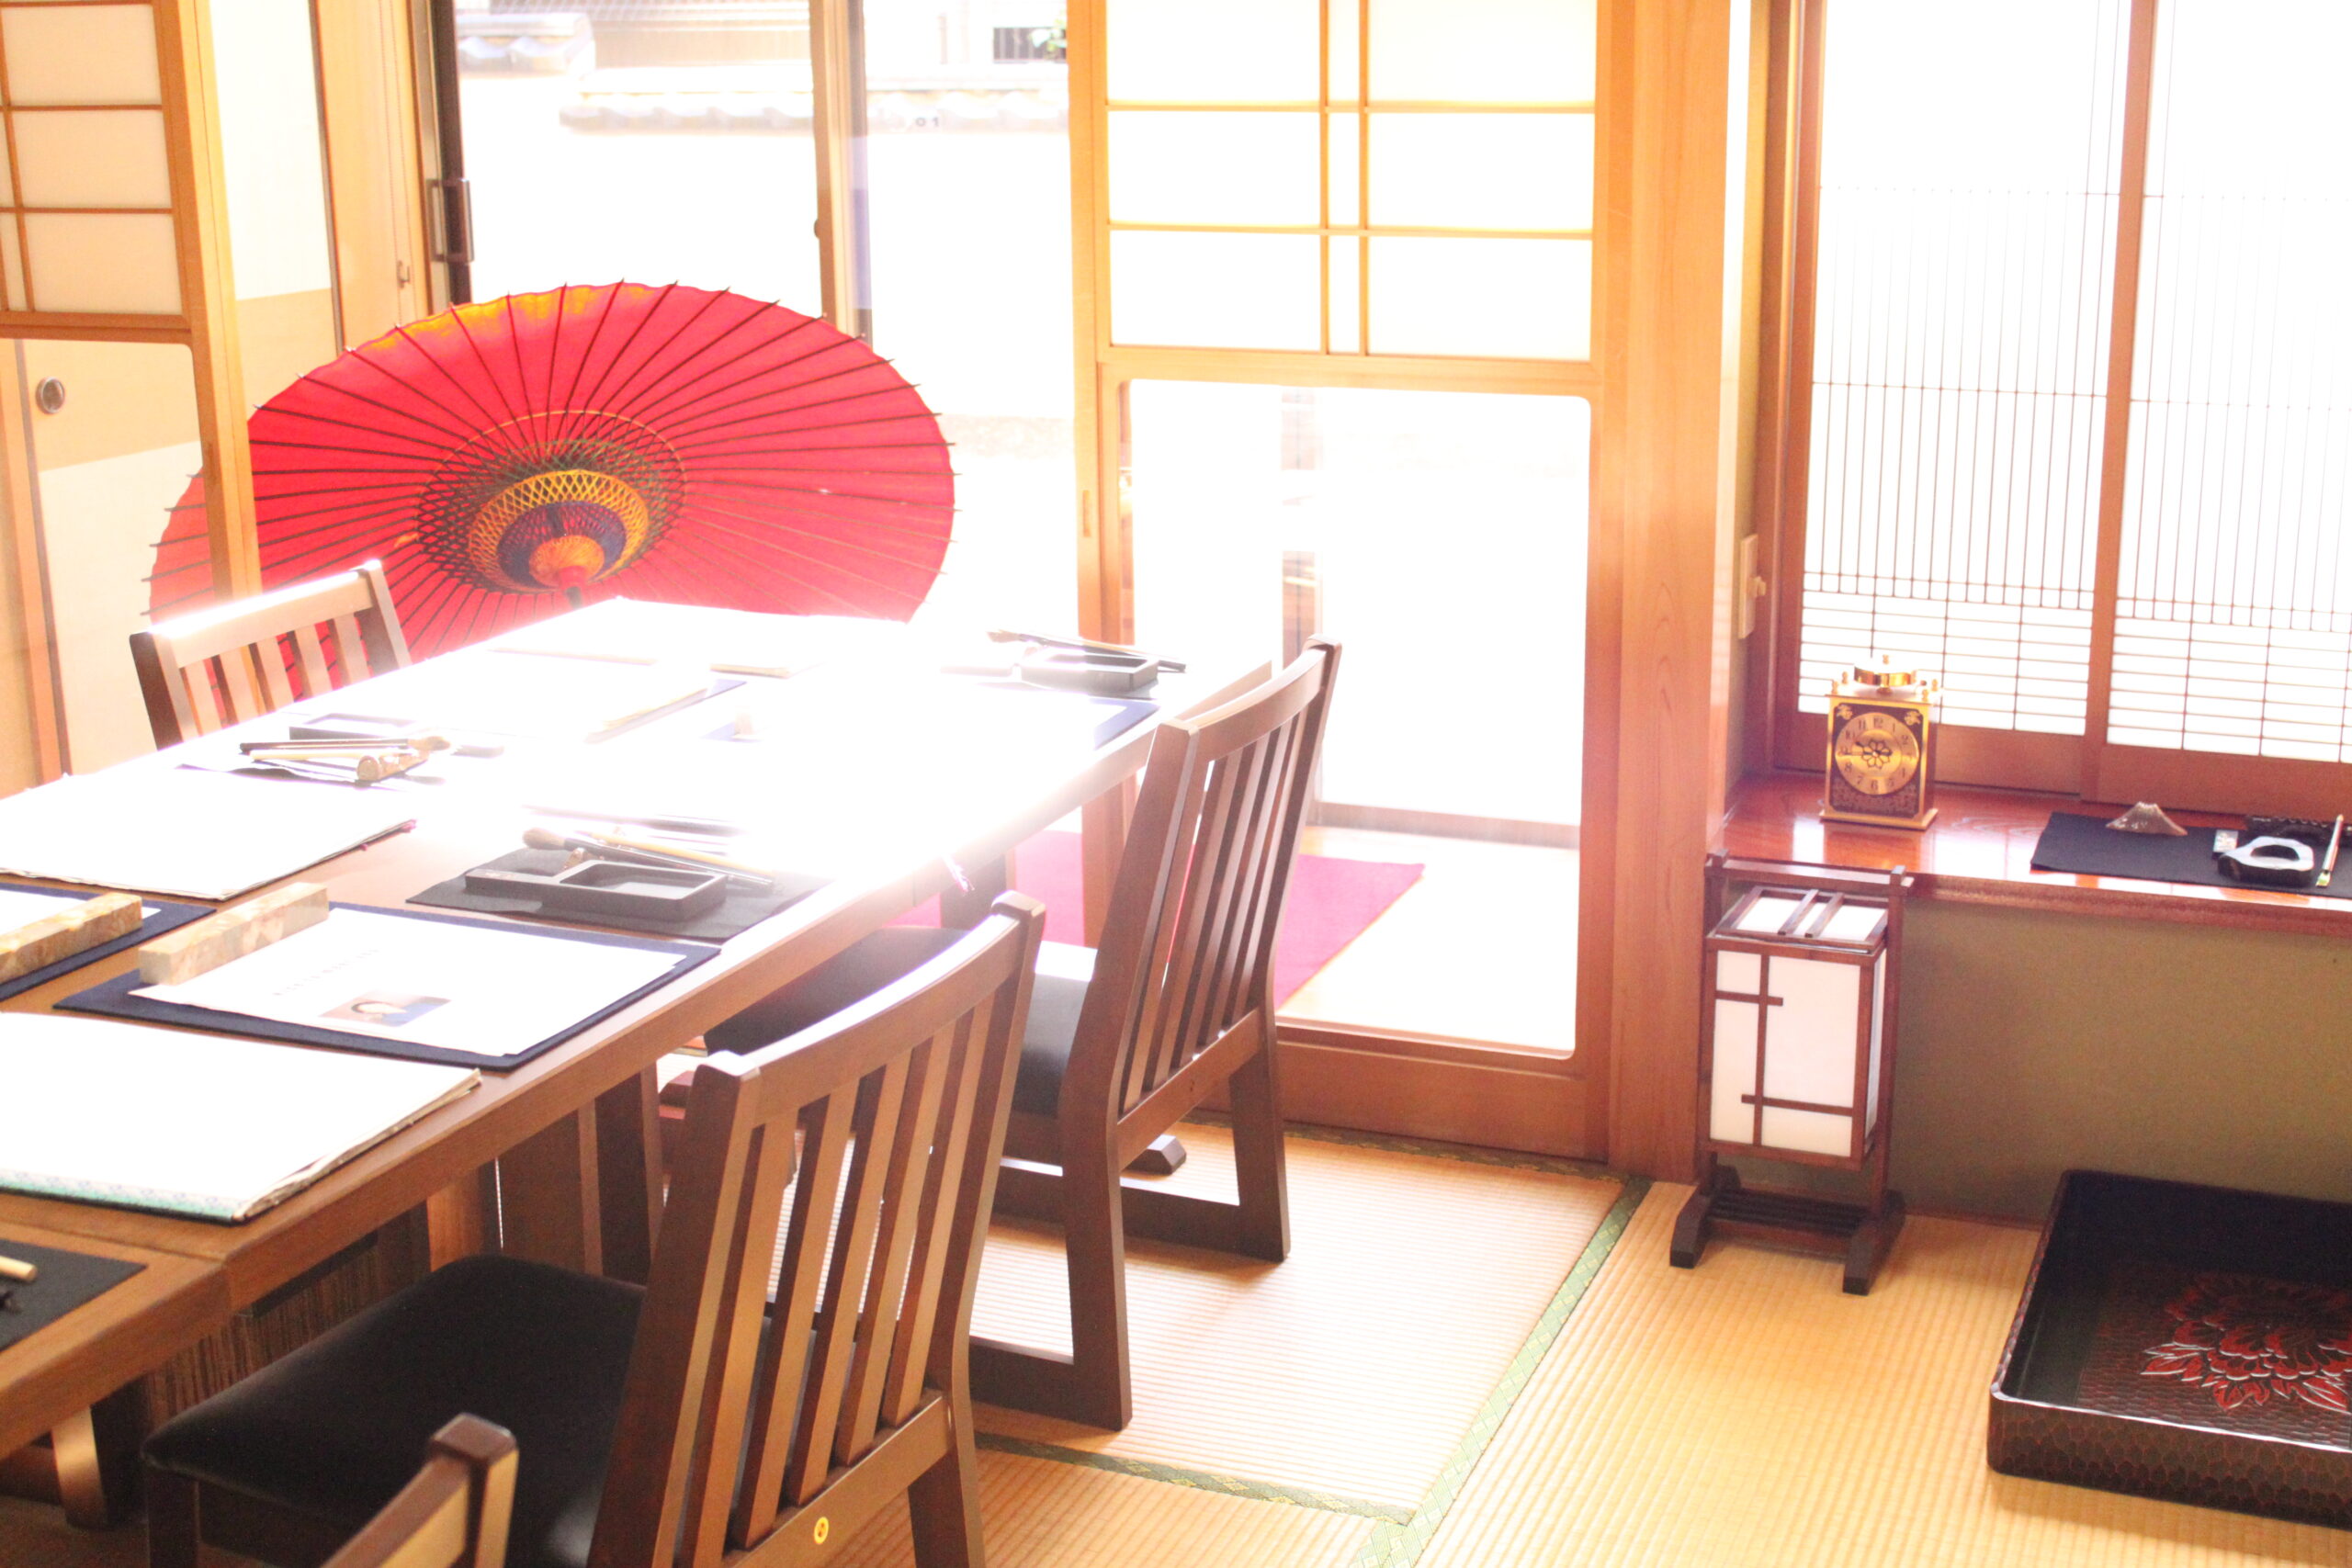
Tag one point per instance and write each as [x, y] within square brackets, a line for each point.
[1876, 753]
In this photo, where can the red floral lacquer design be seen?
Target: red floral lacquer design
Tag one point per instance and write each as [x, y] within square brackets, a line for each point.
[2249, 1341]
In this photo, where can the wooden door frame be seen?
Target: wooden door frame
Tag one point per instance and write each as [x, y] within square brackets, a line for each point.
[372, 133]
[20, 506]
[1670, 129]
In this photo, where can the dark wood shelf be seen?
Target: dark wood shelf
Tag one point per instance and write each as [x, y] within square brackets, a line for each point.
[1979, 849]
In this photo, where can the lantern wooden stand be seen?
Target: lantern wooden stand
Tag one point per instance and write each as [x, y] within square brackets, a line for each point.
[1797, 1056]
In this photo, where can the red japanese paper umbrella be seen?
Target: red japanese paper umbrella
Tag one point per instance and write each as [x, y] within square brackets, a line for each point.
[508, 459]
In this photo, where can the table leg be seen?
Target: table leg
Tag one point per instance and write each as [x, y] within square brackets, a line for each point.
[462, 1218]
[1105, 836]
[96, 1455]
[548, 1192]
[961, 908]
[629, 1167]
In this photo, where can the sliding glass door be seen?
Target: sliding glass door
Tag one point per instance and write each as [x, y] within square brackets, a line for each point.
[1337, 280]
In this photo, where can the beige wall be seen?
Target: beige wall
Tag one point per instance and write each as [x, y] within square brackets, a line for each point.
[108, 467]
[372, 164]
[2031, 1043]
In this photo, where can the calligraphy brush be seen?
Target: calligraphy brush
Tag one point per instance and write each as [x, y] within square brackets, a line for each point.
[1084, 645]
[607, 846]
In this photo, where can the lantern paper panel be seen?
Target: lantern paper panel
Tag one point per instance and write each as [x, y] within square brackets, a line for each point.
[1798, 1025]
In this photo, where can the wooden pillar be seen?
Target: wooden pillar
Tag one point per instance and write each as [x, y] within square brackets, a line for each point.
[208, 295]
[1674, 80]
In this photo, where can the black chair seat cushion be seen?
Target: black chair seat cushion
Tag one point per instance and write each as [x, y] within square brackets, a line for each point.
[872, 961]
[335, 1430]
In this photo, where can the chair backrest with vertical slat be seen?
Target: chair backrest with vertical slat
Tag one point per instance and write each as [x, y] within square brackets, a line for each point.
[1187, 950]
[239, 660]
[858, 1159]
[454, 1515]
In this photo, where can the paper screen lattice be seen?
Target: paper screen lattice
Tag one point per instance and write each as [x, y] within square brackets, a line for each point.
[507, 458]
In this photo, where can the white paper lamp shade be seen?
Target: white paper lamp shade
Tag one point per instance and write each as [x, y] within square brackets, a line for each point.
[1796, 1013]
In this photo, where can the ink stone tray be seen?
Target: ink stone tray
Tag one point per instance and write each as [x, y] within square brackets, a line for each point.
[2185, 1342]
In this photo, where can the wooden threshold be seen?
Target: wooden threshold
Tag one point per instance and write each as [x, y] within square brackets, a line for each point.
[1495, 1097]
[1444, 824]
[1979, 849]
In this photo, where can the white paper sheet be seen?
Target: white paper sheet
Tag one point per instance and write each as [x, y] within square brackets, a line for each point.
[158, 829]
[119, 1113]
[459, 985]
[736, 642]
[528, 695]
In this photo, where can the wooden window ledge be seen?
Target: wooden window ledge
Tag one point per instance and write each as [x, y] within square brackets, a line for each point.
[1979, 849]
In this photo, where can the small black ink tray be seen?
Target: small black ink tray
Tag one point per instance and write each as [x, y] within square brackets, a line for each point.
[610, 888]
[1104, 674]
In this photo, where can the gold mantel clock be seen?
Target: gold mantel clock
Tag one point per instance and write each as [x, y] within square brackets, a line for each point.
[1882, 747]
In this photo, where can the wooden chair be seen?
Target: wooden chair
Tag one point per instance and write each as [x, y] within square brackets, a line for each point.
[234, 651]
[1180, 1000]
[454, 1515]
[692, 1420]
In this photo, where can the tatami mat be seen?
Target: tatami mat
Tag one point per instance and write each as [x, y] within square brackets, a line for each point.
[1351, 1370]
[35, 1535]
[1042, 1514]
[1748, 1415]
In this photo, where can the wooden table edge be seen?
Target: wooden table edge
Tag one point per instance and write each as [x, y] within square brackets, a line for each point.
[120, 1333]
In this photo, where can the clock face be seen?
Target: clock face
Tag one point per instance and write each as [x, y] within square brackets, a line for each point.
[1876, 753]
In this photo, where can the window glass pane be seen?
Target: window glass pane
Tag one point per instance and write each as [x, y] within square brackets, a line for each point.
[2233, 628]
[646, 144]
[1346, 294]
[1966, 242]
[1440, 539]
[1445, 535]
[1507, 298]
[1344, 138]
[971, 264]
[1243, 169]
[1345, 72]
[1482, 171]
[1216, 290]
[1212, 51]
[1483, 51]
[272, 155]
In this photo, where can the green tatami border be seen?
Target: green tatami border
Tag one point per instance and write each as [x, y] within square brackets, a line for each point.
[1399, 1536]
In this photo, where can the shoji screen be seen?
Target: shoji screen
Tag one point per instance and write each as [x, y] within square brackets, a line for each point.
[89, 228]
[1254, 203]
[2234, 618]
[1966, 224]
